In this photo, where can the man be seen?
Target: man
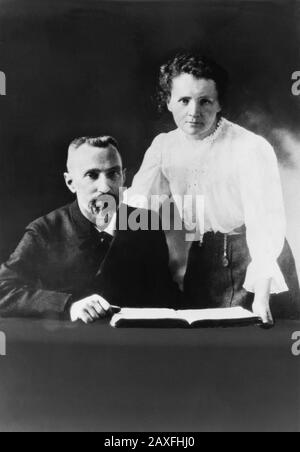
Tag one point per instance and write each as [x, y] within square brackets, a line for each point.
[79, 260]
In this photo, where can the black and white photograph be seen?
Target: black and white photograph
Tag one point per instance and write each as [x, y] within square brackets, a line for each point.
[149, 218]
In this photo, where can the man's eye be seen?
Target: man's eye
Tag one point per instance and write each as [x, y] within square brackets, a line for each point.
[92, 175]
[113, 174]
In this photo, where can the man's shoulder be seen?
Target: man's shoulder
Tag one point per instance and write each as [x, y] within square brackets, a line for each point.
[134, 211]
[138, 220]
[52, 221]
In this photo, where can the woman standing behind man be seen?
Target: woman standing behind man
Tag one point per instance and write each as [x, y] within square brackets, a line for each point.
[236, 263]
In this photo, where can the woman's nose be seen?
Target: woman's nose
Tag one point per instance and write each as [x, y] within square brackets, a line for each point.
[195, 109]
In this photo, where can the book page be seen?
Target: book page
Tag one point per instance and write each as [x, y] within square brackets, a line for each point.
[198, 315]
[144, 314]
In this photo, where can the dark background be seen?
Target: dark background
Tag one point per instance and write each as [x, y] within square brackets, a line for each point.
[87, 67]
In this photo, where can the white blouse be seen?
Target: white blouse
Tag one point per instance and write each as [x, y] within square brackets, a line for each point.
[237, 173]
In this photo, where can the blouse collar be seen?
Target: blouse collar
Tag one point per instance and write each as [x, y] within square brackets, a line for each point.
[210, 139]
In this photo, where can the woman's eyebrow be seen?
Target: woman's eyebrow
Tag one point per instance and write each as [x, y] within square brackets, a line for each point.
[203, 96]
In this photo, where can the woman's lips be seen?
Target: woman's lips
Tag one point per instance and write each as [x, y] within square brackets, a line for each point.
[195, 124]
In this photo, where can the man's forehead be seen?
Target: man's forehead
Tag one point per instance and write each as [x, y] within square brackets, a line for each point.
[87, 156]
[188, 85]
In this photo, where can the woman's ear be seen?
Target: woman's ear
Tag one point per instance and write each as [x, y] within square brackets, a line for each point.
[69, 182]
[169, 104]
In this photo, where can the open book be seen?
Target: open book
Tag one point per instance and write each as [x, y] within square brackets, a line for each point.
[169, 318]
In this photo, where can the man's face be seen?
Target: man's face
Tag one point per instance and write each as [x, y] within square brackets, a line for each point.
[195, 105]
[96, 175]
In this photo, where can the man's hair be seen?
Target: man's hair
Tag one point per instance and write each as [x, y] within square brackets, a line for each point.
[193, 64]
[96, 142]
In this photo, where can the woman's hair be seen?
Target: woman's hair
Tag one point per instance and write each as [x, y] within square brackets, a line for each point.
[196, 65]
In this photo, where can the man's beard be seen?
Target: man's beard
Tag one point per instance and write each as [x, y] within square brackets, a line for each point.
[103, 208]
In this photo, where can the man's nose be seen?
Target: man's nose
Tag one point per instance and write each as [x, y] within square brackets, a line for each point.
[103, 184]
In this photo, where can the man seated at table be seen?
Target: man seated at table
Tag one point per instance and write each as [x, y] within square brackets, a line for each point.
[80, 259]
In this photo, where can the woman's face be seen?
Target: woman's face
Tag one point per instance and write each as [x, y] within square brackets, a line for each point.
[195, 105]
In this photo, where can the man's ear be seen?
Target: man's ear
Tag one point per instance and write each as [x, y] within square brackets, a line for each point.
[69, 182]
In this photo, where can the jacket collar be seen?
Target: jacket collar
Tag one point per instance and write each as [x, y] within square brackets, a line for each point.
[86, 229]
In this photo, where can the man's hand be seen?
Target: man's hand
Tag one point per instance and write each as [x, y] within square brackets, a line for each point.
[90, 309]
[261, 305]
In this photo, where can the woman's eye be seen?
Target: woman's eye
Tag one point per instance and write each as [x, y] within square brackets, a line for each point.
[206, 102]
[184, 101]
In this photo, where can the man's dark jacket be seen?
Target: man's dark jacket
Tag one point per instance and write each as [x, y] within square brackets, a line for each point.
[61, 259]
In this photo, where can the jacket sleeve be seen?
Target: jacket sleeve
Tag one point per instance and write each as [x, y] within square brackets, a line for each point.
[21, 291]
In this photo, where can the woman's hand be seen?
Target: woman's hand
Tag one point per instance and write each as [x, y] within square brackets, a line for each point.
[261, 308]
[261, 305]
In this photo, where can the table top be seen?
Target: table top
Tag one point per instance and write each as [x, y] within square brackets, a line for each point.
[59, 376]
[101, 333]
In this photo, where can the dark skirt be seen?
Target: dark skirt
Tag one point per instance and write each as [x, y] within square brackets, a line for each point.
[209, 283]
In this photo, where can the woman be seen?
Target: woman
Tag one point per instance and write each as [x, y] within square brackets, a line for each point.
[236, 261]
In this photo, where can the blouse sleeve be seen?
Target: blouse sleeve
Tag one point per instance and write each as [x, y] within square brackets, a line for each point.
[265, 220]
[150, 180]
